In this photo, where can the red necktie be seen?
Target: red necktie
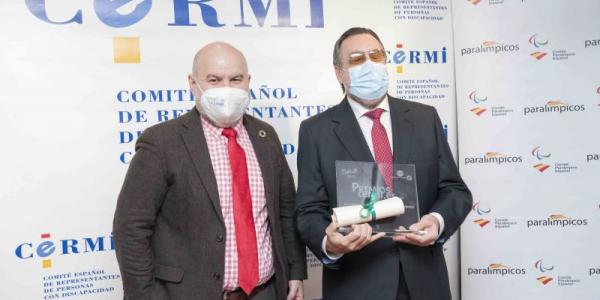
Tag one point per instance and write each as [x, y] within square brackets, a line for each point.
[381, 147]
[245, 233]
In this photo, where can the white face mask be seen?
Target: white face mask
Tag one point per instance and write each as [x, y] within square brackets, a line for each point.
[224, 106]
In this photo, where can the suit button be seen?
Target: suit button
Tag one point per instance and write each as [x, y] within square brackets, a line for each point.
[219, 238]
[217, 276]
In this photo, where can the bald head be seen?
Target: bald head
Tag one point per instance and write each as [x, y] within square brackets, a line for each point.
[219, 64]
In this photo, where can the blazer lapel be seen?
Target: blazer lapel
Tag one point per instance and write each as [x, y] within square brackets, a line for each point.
[197, 148]
[402, 130]
[265, 154]
[349, 133]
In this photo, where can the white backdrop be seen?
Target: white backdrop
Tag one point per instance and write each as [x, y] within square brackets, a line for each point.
[529, 110]
[81, 79]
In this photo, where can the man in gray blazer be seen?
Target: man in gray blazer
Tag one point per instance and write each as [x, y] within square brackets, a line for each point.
[206, 209]
[371, 126]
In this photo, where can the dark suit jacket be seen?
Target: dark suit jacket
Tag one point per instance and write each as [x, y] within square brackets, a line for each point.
[168, 225]
[373, 272]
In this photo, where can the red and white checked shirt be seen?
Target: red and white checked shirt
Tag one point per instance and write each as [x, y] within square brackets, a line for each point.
[217, 147]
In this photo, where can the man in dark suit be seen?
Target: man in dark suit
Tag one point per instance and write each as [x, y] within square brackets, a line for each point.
[371, 126]
[206, 209]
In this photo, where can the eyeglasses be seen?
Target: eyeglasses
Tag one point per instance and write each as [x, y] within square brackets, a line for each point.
[375, 55]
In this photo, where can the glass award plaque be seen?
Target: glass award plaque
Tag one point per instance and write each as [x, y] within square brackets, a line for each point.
[362, 184]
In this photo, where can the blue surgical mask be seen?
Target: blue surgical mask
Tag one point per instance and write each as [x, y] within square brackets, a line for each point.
[368, 81]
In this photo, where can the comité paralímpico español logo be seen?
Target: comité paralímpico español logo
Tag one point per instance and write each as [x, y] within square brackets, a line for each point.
[542, 165]
[477, 209]
[539, 46]
[482, 218]
[548, 275]
[539, 265]
[47, 247]
[537, 153]
[481, 108]
[537, 42]
[477, 100]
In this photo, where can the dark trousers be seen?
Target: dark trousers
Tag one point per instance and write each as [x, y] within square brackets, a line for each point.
[265, 292]
[402, 293]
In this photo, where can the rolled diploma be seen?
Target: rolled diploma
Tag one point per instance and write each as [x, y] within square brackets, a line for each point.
[348, 215]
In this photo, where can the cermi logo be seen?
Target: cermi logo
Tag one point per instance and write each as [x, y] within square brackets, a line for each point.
[400, 57]
[125, 13]
[47, 247]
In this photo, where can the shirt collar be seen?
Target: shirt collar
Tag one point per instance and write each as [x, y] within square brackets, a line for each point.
[360, 111]
[217, 131]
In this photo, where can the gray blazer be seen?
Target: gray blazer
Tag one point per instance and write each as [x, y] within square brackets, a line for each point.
[168, 226]
[374, 271]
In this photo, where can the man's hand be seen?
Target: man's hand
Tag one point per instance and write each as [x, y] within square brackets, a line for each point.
[429, 224]
[361, 235]
[296, 290]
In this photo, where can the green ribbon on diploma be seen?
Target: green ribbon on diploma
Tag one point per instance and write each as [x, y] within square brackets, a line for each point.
[368, 209]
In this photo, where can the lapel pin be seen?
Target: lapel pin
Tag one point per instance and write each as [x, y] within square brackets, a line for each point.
[262, 133]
